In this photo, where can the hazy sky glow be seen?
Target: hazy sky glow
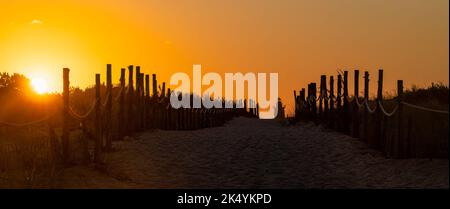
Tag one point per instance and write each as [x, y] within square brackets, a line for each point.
[298, 39]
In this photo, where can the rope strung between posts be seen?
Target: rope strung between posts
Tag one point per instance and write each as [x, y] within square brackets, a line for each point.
[425, 108]
[118, 94]
[84, 116]
[384, 110]
[357, 102]
[366, 103]
[45, 118]
[106, 100]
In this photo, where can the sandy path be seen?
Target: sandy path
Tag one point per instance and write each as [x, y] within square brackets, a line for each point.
[251, 153]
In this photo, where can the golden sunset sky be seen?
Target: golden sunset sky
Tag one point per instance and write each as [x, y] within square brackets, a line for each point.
[299, 39]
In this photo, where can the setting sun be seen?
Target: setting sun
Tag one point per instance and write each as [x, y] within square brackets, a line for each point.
[39, 85]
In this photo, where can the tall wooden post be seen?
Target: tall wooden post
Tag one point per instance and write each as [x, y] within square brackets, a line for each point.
[339, 111]
[138, 74]
[130, 115]
[98, 131]
[378, 142]
[400, 144]
[155, 85]
[331, 115]
[366, 112]
[108, 107]
[346, 111]
[122, 105]
[137, 113]
[325, 97]
[65, 134]
[147, 101]
[142, 102]
[355, 111]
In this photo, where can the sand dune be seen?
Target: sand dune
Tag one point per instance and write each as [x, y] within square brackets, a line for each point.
[251, 153]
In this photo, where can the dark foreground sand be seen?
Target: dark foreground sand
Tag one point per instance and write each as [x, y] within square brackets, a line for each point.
[251, 153]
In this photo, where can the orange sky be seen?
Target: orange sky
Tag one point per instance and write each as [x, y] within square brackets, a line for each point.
[298, 39]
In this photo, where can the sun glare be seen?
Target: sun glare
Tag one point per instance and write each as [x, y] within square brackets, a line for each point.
[39, 85]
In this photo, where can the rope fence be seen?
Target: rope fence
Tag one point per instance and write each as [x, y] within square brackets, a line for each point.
[391, 131]
[120, 114]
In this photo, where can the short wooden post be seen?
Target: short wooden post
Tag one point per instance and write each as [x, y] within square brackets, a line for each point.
[121, 123]
[366, 112]
[130, 115]
[313, 100]
[321, 96]
[163, 90]
[108, 108]
[245, 107]
[65, 133]
[355, 111]
[308, 103]
[400, 144]
[257, 110]
[98, 131]
[169, 111]
[295, 106]
[302, 101]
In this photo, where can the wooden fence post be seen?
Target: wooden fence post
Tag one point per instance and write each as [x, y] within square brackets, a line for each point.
[308, 103]
[169, 111]
[331, 111]
[122, 105]
[130, 115]
[155, 85]
[346, 107]
[65, 134]
[313, 100]
[147, 101]
[339, 125]
[108, 107]
[399, 146]
[302, 101]
[257, 110]
[355, 111]
[137, 113]
[366, 112]
[98, 131]
[295, 106]
[155, 109]
[378, 142]
[245, 106]
[321, 97]
[325, 98]
[142, 102]
[163, 90]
